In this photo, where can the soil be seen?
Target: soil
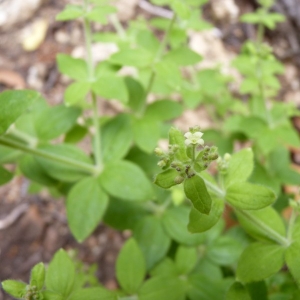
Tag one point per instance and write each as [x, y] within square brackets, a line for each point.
[40, 227]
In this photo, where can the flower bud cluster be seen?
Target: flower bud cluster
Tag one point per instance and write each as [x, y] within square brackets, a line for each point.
[223, 164]
[197, 159]
[166, 158]
[32, 293]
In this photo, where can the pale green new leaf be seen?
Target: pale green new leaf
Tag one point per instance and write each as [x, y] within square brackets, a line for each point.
[37, 276]
[176, 138]
[60, 275]
[75, 68]
[183, 56]
[86, 205]
[70, 12]
[76, 92]
[131, 267]
[259, 261]
[14, 288]
[132, 57]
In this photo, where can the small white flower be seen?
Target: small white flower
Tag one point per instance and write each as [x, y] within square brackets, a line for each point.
[194, 138]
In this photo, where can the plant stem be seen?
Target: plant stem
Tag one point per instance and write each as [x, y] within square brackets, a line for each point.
[24, 137]
[214, 189]
[118, 26]
[98, 155]
[164, 42]
[291, 224]
[49, 155]
[90, 63]
[275, 236]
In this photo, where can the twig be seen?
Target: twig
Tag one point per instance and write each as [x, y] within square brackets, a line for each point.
[13, 216]
[155, 10]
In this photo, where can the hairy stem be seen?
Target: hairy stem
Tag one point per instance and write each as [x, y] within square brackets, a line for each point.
[49, 155]
[90, 63]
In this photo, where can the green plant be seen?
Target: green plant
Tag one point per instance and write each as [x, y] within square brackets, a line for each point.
[180, 247]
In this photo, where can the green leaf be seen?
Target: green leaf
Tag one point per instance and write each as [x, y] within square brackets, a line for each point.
[237, 292]
[202, 222]
[166, 179]
[131, 267]
[165, 267]
[116, 138]
[258, 290]
[259, 261]
[146, 133]
[75, 134]
[240, 167]
[185, 259]
[162, 288]
[175, 222]
[126, 181]
[224, 251]
[181, 9]
[183, 56]
[60, 274]
[163, 110]
[136, 94]
[70, 12]
[251, 220]
[111, 86]
[32, 170]
[52, 122]
[75, 68]
[176, 138]
[86, 198]
[8, 155]
[93, 293]
[123, 215]
[48, 295]
[14, 288]
[100, 14]
[168, 74]
[205, 288]
[60, 170]
[16, 103]
[152, 239]
[132, 57]
[292, 261]
[76, 92]
[195, 190]
[244, 195]
[5, 176]
[37, 276]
